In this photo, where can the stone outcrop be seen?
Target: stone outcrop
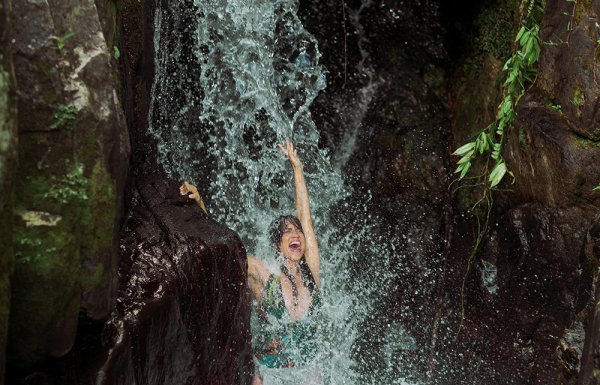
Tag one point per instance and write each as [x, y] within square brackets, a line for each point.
[72, 164]
[557, 158]
[183, 310]
[8, 149]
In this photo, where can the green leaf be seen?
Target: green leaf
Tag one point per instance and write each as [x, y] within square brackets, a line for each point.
[466, 158]
[464, 149]
[116, 52]
[482, 143]
[521, 31]
[465, 170]
[596, 188]
[496, 152]
[497, 174]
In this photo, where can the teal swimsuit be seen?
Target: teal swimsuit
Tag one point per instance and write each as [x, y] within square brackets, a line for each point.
[295, 342]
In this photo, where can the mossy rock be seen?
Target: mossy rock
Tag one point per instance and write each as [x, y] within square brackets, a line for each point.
[63, 222]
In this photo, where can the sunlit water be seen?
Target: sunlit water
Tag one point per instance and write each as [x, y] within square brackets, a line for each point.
[233, 78]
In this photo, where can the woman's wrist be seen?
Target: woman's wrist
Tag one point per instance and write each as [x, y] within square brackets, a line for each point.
[297, 166]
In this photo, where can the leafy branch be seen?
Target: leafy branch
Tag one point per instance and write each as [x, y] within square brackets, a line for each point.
[489, 142]
[518, 72]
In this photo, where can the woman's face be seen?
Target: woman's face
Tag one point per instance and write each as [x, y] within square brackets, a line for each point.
[292, 242]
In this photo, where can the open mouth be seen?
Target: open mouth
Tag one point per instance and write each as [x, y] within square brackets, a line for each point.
[295, 246]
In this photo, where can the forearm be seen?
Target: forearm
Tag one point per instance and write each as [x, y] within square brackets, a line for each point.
[312, 254]
[302, 200]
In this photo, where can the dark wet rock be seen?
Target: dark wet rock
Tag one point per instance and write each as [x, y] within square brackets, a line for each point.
[557, 158]
[570, 350]
[530, 286]
[590, 357]
[183, 309]
[137, 73]
[529, 328]
[8, 156]
[72, 165]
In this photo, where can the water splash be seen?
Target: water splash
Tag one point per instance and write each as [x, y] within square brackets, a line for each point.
[233, 78]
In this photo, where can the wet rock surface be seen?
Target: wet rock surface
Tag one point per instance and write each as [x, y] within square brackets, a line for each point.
[588, 363]
[183, 310]
[524, 303]
[8, 152]
[556, 159]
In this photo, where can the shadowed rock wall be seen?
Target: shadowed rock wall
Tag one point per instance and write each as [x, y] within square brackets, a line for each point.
[530, 290]
[72, 164]
[8, 152]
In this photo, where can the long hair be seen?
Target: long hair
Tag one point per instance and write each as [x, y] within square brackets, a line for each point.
[276, 233]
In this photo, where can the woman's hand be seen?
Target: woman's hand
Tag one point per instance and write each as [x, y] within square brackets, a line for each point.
[290, 151]
[192, 192]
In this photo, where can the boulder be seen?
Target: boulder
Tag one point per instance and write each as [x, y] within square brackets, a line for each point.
[183, 309]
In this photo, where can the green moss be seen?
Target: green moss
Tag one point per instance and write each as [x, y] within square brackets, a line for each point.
[5, 132]
[46, 280]
[98, 220]
[582, 8]
[45, 284]
[585, 143]
[495, 29]
[97, 277]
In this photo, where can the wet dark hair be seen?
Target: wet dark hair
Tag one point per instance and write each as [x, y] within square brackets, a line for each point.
[278, 227]
[276, 233]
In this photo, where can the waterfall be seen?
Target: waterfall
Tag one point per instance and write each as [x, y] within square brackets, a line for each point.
[233, 79]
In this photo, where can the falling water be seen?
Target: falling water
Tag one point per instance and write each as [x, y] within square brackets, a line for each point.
[233, 79]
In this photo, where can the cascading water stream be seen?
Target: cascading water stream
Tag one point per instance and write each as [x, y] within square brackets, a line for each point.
[233, 79]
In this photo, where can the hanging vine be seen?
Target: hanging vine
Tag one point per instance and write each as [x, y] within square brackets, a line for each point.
[518, 72]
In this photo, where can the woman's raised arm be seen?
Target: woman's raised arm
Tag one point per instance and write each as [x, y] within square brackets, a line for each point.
[312, 255]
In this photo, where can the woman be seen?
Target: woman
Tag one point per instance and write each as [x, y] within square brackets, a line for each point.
[287, 300]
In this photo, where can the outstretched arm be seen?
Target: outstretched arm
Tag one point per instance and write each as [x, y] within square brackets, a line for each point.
[312, 255]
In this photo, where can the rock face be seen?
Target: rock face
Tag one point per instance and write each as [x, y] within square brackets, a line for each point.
[558, 159]
[183, 309]
[72, 165]
[529, 288]
[590, 355]
[8, 149]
